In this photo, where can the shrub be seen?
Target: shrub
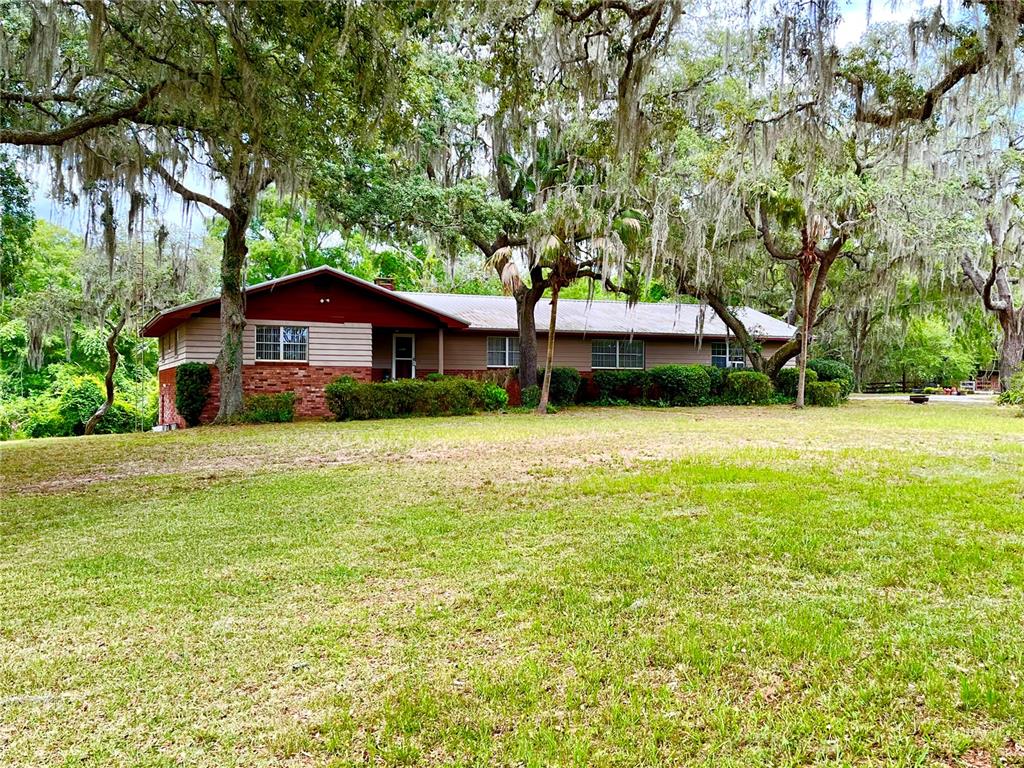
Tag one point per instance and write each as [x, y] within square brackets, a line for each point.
[192, 389]
[340, 397]
[78, 401]
[495, 398]
[679, 384]
[787, 380]
[450, 395]
[530, 397]
[47, 421]
[565, 382]
[122, 416]
[618, 386]
[270, 408]
[716, 376]
[434, 376]
[748, 388]
[1015, 394]
[933, 391]
[834, 370]
[824, 393]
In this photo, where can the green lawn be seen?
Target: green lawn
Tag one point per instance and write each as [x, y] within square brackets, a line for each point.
[716, 587]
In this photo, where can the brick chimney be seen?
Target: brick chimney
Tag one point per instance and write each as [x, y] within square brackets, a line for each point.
[385, 282]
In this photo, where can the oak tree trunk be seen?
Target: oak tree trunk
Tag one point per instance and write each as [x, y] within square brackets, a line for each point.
[112, 358]
[526, 303]
[545, 390]
[232, 313]
[1011, 351]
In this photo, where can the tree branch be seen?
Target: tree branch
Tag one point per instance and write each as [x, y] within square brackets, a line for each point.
[191, 195]
[84, 125]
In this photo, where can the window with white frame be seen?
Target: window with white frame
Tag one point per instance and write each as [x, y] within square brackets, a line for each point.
[282, 342]
[502, 351]
[721, 357]
[616, 353]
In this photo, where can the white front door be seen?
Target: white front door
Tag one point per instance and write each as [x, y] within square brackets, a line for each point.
[403, 356]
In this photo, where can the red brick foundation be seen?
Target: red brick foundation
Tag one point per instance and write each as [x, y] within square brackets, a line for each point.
[306, 381]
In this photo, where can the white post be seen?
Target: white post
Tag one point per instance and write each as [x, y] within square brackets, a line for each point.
[440, 350]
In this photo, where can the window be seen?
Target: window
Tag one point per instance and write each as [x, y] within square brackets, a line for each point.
[719, 359]
[281, 342]
[502, 351]
[616, 353]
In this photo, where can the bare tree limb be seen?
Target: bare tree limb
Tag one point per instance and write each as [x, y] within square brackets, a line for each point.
[191, 195]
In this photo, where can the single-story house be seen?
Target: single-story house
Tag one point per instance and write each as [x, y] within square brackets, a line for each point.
[304, 330]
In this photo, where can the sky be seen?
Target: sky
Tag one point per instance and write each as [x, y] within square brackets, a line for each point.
[850, 29]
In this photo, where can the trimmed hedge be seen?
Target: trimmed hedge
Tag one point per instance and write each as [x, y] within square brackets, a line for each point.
[833, 370]
[748, 388]
[565, 383]
[678, 384]
[787, 380]
[349, 399]
[717, 377]
[824, 393]
[269, 408]
[192, 390]
[618, 386]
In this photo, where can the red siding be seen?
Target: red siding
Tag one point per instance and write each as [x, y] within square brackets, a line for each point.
[325, 299]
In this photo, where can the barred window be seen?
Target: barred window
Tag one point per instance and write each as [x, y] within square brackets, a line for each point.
[282, 342]
[719, 358]
[616, 353]
[502, 351]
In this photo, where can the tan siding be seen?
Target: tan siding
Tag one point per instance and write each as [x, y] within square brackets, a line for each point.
[330, 344]
[570, 351]
[202, 339]
[465, 352]
[168, 357]
[681, 352]
[426, 351]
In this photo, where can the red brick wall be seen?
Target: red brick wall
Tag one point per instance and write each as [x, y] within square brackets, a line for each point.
[168, 413]
[306, 381]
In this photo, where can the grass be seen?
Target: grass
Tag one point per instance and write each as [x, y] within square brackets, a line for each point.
[713, 587]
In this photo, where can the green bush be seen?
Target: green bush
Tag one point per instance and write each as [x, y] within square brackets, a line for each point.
[833, 370]
[47, 421]
[123, 416]
[787, 380]
[192, 389]
[716, 376]
[450, 395]
[933, 391]
[679, 384]
[1015, 394]
[270, 408]
[495, 397]
[530, 397]
[78, 401]
[748, 388]
[565, 382]
[621, 386]
[823, 393]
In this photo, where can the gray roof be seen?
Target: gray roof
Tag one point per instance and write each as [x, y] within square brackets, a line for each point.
[498, 313]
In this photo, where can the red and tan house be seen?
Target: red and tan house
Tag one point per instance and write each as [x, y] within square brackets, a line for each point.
[306, 329]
